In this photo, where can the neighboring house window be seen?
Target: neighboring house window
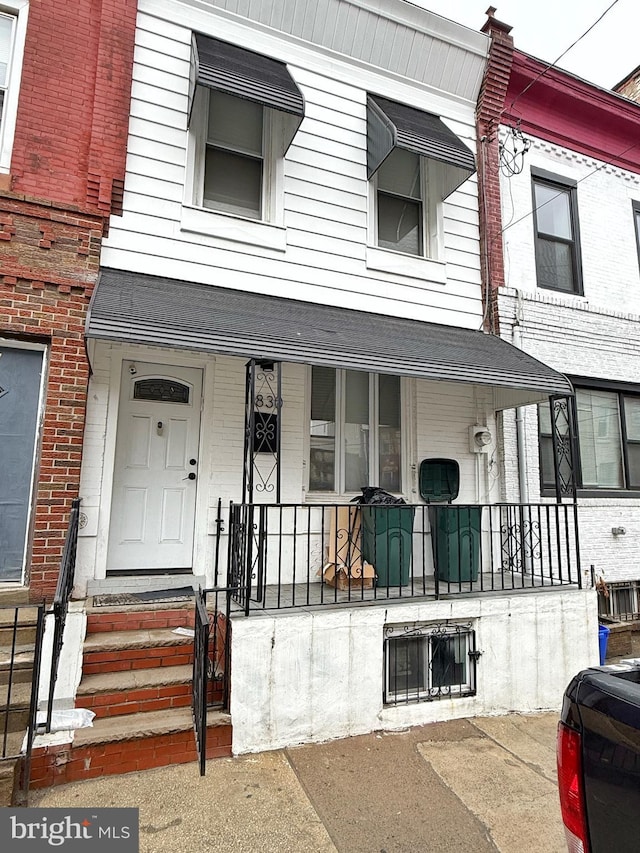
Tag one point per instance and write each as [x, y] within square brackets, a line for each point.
[636, 219]
[6, 44]
[13, 25]
[400, 211]
[608, 427]
[557, 244]
[428, 662]
[355, 431]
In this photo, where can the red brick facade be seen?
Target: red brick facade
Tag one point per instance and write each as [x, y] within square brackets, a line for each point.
[490, 105]
[66, 178]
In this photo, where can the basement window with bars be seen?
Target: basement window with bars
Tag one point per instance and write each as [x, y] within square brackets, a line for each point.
[423, 663]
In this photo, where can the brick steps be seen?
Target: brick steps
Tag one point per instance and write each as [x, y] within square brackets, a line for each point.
[136, 678]
[133, 691]
[128, 744]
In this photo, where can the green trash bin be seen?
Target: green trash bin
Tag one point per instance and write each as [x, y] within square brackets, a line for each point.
[455, 531]
[387, 533]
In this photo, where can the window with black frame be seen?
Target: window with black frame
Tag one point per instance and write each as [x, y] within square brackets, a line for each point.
[608, 433]
[557, 243]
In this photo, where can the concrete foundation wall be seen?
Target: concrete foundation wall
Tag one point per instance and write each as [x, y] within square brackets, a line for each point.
[312, 676]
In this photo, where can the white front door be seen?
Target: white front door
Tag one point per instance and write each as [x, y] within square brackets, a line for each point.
[156, 468]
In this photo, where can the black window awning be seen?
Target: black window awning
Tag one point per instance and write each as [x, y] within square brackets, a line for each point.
[228, 68]
[392, 125]
[165, 312]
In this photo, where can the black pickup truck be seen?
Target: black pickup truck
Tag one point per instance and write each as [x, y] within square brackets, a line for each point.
[599, 760]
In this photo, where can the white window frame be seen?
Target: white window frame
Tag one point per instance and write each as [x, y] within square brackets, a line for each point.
[423, 634]
[374, 442]
[18, 10]
[267, 232]
[428, 266]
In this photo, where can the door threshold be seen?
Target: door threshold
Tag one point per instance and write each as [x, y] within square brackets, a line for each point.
[134, 573]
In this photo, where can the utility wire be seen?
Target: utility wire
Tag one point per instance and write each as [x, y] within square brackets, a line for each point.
[579, 181]
[564, 52]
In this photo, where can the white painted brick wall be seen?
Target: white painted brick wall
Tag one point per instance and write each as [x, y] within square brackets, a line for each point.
[596, 335]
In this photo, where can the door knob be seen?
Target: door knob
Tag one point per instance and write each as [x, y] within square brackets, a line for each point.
[190, 476]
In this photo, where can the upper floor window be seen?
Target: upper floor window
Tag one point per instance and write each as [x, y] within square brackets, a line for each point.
[400, 207]
[608, 427]
[233, 168]
[414, 162]
[244, 109]
[6, 44]
[557, 244]
[355, 431]
[13, 24]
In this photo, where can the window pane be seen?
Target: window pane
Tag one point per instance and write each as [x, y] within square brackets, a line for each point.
[356, 430]
[322, 461]
[407, 672]
[389, 435]
[235, 123]
[555, 265]
[233, 183]
[599, 437]
[448, 661]
[6, 28]
[400, 174]
[632, 424]
[399, 224]
[553, 211]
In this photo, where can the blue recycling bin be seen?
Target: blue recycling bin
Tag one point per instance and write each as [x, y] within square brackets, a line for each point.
[603, 639]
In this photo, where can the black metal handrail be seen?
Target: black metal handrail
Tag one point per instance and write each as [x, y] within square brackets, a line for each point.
[61, 600]
[211, 660]
[20, 653]
[200, 677]
[280, 554]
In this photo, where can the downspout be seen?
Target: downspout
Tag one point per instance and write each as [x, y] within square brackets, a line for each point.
[521, 438]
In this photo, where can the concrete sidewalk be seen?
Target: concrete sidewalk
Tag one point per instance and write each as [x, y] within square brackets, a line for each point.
[480, 785]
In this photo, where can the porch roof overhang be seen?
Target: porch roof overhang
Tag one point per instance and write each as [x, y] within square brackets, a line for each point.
[136, 308]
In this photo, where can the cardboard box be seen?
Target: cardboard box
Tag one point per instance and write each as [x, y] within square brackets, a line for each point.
[345, 567]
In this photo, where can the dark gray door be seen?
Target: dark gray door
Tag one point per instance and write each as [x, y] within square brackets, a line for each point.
[20, 372]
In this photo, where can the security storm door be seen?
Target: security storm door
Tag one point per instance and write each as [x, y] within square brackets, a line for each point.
[156, 468]
[20, 382]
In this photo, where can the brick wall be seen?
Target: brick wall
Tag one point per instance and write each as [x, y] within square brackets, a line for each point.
[490, 105]
[66, 178]
[73, 111]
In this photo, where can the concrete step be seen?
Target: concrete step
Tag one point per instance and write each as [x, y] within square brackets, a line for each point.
[9, 770]
[21, 669]
[14, 710]
[135, 649]
[23, 626]
[136, 690]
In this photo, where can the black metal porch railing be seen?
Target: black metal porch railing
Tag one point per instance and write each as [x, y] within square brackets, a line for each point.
[61, 600]
[288, 555]
[21, 634]
[210, 686]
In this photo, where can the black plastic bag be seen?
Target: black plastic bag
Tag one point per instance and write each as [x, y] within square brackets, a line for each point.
[373, 496]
